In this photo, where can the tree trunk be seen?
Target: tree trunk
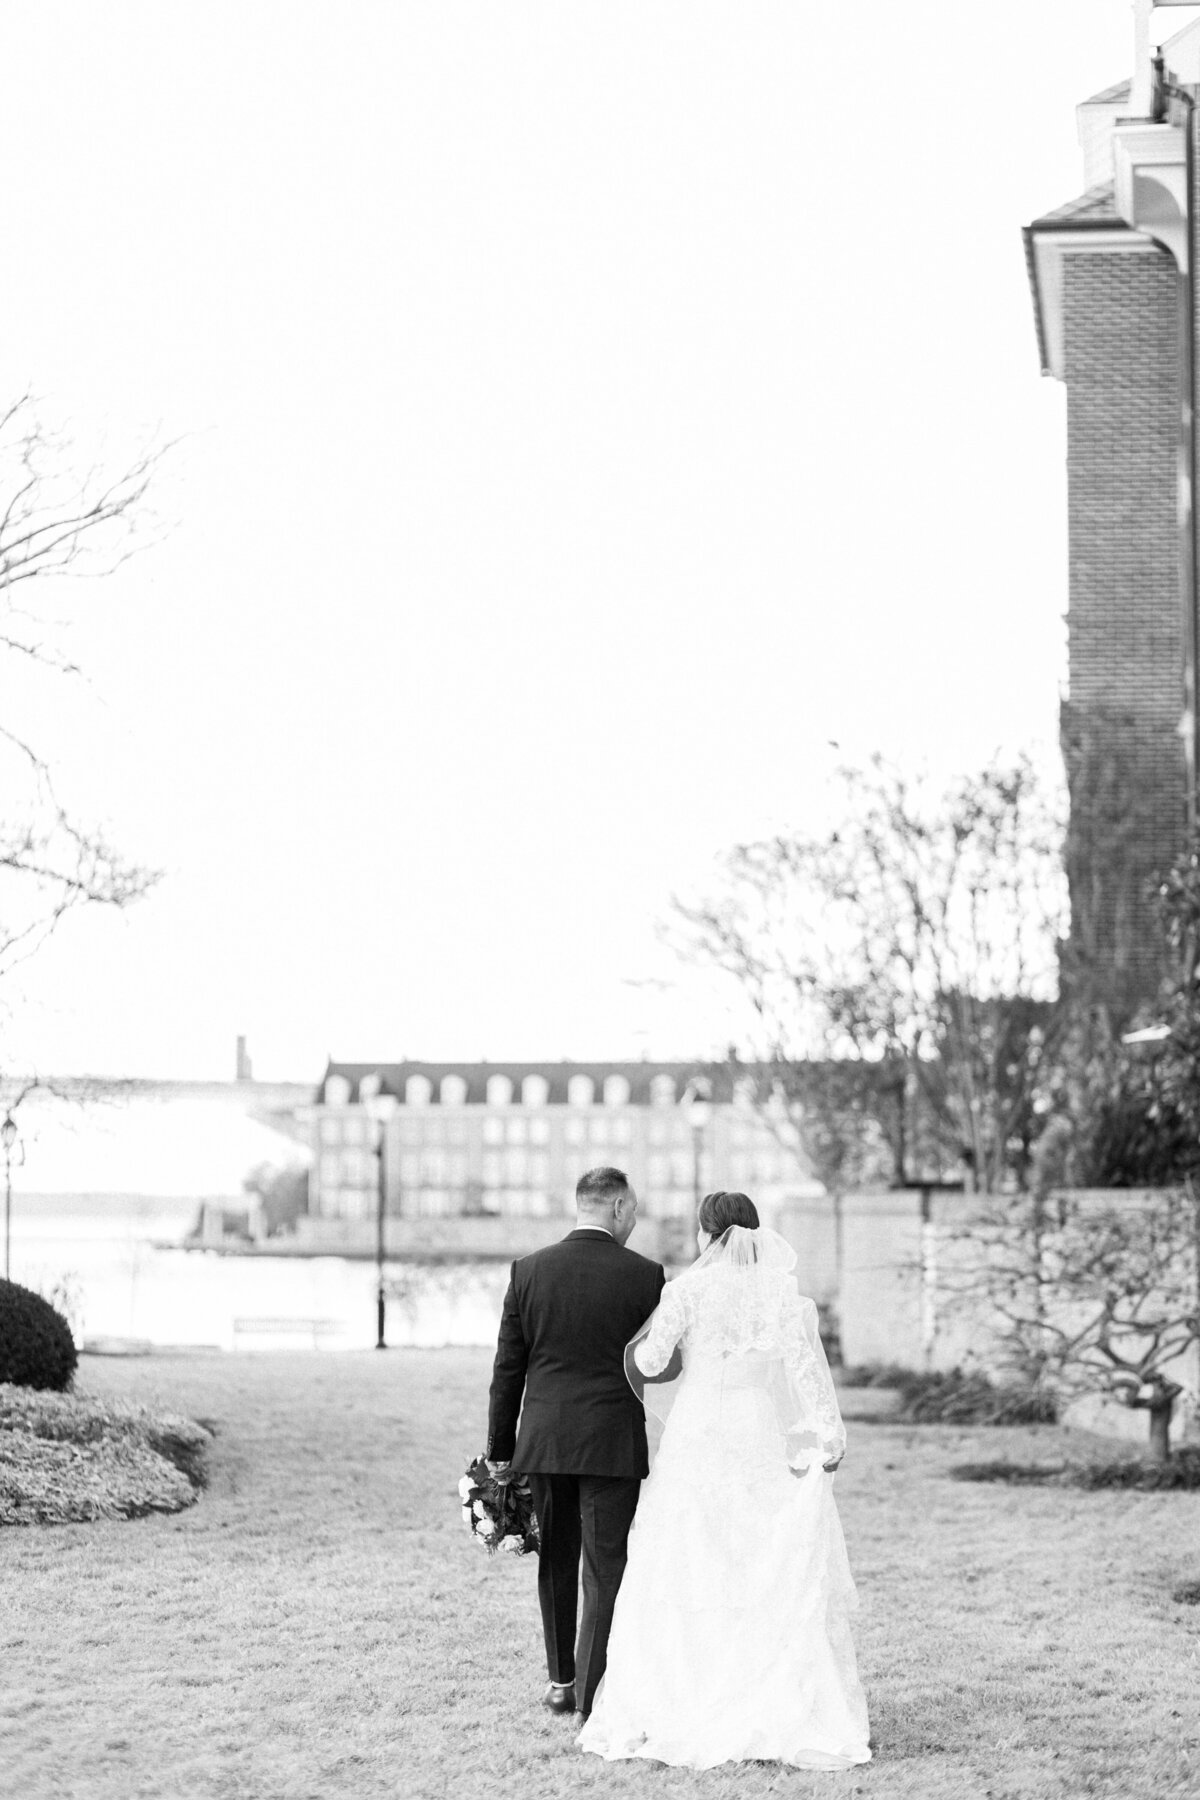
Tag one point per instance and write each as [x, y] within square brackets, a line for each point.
[1160, 1428]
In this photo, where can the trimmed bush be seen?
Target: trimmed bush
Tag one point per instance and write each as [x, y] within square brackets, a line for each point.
[36, 1346]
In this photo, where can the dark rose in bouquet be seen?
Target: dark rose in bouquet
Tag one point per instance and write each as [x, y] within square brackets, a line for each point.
[497, 1509]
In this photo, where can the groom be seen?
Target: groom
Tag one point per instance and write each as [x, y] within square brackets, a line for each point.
[568, 1314]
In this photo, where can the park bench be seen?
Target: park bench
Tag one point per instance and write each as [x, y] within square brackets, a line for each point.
[316, 1329]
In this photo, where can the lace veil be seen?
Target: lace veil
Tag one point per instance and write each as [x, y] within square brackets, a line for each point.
[736, 1317]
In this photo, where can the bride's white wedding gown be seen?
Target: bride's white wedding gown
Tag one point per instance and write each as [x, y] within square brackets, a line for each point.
[731, 1637]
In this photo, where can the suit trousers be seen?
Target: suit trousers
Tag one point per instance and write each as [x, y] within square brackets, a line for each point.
[588, 1516]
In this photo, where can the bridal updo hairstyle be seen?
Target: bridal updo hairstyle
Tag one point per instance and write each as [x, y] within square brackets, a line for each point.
[719, 1211]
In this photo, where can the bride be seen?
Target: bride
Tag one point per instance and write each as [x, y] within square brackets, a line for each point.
[731, 1638]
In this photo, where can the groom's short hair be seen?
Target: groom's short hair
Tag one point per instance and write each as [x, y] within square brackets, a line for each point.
[600, 1189]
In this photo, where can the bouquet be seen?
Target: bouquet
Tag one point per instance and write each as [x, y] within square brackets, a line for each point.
[498, 1509]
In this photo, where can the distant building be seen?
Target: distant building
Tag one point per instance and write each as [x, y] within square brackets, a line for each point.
[1115, 313]
[469, 1140]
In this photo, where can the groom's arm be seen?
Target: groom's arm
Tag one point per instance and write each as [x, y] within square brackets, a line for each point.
[508, 1379]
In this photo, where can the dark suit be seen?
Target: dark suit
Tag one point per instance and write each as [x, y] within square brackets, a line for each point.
[568, 1314]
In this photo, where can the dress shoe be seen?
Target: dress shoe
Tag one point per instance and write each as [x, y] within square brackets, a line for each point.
[560, 1699]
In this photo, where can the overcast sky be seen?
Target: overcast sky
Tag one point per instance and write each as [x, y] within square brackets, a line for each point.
[589, 412]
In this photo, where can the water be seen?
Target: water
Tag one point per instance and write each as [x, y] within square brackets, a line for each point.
[124, 1274]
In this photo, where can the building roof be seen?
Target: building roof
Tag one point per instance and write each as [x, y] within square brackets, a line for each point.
[1096, 209]
[1111, 96]
[639, 1075]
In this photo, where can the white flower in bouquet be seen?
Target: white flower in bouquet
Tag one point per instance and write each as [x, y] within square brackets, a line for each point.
[485, 1529]
[513, 1544]
[464, 1488]
[468, 1518]
[480, 1510]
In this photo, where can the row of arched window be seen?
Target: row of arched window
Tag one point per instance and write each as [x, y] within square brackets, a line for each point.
[501, 1090]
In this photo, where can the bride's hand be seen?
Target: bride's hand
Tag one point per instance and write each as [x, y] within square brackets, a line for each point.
[831, 1467]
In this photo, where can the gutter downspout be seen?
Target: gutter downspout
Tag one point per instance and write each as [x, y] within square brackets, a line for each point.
[1162, 91]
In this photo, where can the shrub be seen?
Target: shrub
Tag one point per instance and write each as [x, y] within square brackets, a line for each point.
[36, 1346]
[955, 1398]
[1181, 1471]
[874, 1375]
[70, 1458]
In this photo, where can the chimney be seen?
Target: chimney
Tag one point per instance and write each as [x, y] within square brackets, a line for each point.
[245, 1071]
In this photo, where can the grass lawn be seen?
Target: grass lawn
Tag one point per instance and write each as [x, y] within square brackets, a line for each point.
[321, 1624]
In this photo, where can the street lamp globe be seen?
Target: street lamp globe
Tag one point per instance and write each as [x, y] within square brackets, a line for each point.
[8, 1132]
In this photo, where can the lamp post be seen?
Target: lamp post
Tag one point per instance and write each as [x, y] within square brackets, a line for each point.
[8, 1135]
[380, 1108]
[697, 1104]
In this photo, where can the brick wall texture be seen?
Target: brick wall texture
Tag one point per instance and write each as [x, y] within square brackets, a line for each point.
[1120, 720]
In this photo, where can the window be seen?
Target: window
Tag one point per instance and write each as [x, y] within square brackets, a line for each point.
[337, 1091]
[369, 1086]
[535, 1090]
[515, 1130]
[539, 1131]
[575, 1131]
[418, 1090]
[598, 1131]
[616, 1090]
[454, 1090]
[516, 1162]
[622, 1131]
[662, 1090]
[353, 1130]
[658, 1171]
[354, 1171]
[331, 1168]
[499, 1090]
[493, 1131]
[580, 1091]
[331, 1131]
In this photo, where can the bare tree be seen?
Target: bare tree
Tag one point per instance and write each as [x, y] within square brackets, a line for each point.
[917, 940]
[1086, 1293]
[55, 523]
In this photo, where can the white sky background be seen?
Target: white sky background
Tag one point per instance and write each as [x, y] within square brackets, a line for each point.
[589, 411]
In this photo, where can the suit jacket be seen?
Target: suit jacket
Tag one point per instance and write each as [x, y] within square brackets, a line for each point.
[568, 1314]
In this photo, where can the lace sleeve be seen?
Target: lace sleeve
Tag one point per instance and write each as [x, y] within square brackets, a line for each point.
[809, 1369]
[653, 1352]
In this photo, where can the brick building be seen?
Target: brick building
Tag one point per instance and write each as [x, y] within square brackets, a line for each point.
[510, 1140]
[1115, 313]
